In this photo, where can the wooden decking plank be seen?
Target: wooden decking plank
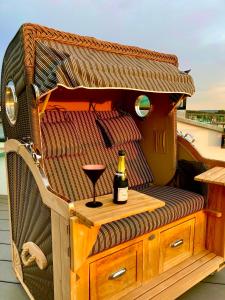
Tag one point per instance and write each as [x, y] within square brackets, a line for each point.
[7, 273]
[189, 281]
[170, 282]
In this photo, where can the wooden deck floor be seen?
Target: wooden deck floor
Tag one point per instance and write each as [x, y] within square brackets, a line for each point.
[213, 287]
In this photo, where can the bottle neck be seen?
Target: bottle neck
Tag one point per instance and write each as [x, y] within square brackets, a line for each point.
[121, 164]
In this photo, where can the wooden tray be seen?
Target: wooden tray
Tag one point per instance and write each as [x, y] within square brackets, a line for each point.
[137, 203]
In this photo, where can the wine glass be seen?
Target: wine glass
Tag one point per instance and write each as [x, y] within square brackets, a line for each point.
[94, 172]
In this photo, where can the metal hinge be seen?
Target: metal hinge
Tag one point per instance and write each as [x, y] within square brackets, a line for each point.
[28, 143]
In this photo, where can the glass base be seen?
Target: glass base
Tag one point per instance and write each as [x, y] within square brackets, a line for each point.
[93, 204]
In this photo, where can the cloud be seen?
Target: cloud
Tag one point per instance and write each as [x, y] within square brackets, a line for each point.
[193, 30]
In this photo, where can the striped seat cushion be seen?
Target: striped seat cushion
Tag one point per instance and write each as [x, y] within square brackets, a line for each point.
[179, 203]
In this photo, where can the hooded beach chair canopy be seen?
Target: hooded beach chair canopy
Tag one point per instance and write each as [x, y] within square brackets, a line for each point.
[53, 58]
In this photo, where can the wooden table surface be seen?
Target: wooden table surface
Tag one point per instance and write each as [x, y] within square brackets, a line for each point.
[215, 175]
[108, 212]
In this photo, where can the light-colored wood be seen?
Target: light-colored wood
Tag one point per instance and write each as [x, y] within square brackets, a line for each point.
[171, 255]
[109, 212]
[164, 276]
[16, 261]
[213, 213]
[215, 175]
[151, 255]
[61, 257]
[80, 283]
[32, 253]
[150, 251]
[82, 241]
[215, 240]
[172, 283]
[102, 285]
[65, 257]
[45, 103]
[200, 232]
[184, 283]
[51, 200]
[56, 253]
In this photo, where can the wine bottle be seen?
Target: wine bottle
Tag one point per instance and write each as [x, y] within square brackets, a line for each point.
[120, 184]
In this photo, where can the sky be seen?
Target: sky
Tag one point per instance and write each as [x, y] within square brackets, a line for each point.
[193, 30]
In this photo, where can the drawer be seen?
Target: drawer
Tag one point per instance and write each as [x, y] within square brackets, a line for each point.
[176, 244]
[115, 273]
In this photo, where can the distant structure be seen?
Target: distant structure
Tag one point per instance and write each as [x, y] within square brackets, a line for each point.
[215, 117]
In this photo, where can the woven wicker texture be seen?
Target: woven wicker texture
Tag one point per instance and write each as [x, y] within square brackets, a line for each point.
[30, 223]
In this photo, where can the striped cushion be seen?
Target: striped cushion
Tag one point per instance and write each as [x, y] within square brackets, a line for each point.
[64, 139]
[64, 169]
[179, 203]
[120, 130]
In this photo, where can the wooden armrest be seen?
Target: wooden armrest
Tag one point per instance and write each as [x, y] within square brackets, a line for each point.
[215, 175]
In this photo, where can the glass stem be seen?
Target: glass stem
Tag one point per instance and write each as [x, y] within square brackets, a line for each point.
[94, 192]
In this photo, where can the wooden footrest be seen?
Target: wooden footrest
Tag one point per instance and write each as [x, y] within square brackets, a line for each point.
[174, 282]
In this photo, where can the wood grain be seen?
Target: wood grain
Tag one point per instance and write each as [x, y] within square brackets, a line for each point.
[82, 240]
[170, 256]
[102, 287]
[174, 282]
[215, 239]
[215, 175]
[137, 203]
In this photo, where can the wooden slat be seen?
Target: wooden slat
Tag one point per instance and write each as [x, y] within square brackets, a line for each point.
[177, 276]
[181, 270]
[189, 281]
[215, 175]
[137, 203]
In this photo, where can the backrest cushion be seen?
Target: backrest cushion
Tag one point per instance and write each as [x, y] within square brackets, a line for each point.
[64, 139]
[64, 168]
[120, 130]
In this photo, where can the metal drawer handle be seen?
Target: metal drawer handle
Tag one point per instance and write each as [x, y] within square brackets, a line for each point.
[117, 274]
[177, 243]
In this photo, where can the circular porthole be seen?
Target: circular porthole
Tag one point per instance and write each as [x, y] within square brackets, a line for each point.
[11, 104]
[143, 106]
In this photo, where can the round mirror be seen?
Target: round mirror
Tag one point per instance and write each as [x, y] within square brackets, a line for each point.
[143, 106]
[11, 104]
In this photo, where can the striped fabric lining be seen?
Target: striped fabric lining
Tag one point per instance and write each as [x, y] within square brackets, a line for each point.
[67, 178]
[66, 140]
[71, 66]
[65, 172]
[120, 130]
[179, 203]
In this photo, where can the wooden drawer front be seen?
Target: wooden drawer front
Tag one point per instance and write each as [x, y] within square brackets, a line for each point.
[128, 261]
[176, 244]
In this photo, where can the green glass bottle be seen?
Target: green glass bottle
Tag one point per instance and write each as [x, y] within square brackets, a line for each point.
[120, 183]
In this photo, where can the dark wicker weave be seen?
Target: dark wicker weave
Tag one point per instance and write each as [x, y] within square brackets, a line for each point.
[30, 222]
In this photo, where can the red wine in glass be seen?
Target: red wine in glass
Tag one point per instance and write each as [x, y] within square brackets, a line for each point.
[93, 172]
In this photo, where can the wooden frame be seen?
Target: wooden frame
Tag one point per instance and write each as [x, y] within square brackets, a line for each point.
[73, 241]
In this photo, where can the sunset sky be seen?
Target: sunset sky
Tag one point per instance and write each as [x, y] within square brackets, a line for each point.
[193, 30]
